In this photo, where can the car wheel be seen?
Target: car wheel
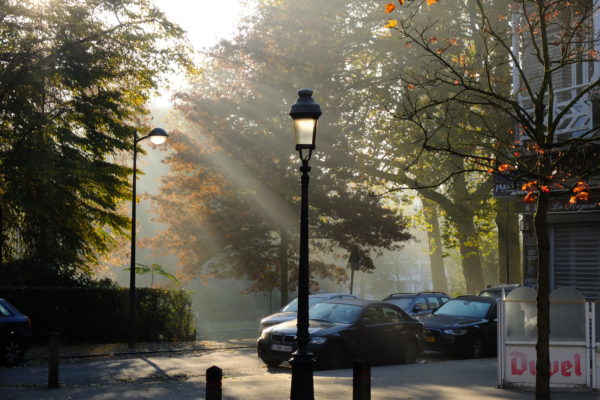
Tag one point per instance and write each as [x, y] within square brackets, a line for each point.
[336, 356]
[410, 353]
[476, 350]
[12, 352]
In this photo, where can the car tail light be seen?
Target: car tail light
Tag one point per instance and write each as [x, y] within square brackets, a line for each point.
[29, 322]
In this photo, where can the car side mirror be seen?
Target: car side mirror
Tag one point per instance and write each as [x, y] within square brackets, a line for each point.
[364, 322]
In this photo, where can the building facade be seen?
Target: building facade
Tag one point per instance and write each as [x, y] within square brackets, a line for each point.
[574, 228]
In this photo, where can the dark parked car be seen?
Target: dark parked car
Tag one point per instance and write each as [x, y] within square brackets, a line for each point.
[15, 334]
[345, 330]
[497, 290]
[465, 324]
[288, 312]
[418, 304]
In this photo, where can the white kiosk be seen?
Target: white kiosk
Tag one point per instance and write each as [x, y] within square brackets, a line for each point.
[573, 344]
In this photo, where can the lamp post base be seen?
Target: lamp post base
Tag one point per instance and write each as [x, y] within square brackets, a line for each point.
[302, 376]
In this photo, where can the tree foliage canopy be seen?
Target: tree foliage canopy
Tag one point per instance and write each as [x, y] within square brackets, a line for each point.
[390, 149]
[232, 196]
[551, 150]
[75, 77]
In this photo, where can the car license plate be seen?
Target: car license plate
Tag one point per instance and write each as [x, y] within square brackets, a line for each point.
[430, 339]
[279, 347]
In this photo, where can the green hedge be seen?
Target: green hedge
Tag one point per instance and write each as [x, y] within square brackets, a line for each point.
[100, 315]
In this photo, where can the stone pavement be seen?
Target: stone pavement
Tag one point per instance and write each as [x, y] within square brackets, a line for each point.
[39, 353]
[181, 377]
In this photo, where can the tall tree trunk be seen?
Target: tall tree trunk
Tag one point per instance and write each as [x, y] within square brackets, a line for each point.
[461, 211]
[542, 379]
[438, 272]
[463, 216]
[283, 266]
[509, 259]
[469, 250]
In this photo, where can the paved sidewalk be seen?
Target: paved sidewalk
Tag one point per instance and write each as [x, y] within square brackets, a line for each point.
[39, 353]
[181, 377]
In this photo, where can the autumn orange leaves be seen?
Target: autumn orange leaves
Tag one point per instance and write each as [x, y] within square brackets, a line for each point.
[581, 191]
[391, 23]
[390, 7]
[532, 188]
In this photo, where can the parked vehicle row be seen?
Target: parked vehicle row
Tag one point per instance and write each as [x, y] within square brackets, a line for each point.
[398, 328]
[344, 330]
[418, 304]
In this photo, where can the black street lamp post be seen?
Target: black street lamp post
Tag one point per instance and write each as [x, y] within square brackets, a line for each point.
[305, 113]
[157, 136]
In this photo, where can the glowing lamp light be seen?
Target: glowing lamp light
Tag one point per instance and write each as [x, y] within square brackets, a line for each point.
[158, 136]
[305, 113]
[305, 129]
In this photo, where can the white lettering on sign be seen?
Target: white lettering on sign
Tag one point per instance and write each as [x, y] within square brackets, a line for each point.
[564, 205]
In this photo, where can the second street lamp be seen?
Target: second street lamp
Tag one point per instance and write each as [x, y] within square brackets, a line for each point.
[156, 136]
[305, 113]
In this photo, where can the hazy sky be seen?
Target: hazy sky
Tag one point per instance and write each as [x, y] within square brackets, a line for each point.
[206, 21]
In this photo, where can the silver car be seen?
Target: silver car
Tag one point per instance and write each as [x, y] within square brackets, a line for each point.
[288, 312]
[498, 291]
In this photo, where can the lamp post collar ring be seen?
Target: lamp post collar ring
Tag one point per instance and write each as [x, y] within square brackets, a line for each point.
[304, 168]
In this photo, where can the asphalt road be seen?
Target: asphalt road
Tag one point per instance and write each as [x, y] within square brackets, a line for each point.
[182, 376]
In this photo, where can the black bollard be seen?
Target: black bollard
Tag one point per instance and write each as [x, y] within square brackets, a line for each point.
[214, 390]
[361, 381]
[53, 359]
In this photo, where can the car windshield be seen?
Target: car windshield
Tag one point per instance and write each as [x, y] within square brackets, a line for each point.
[334, 312]
[402, 302]
[312, 300]
[467, 308]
